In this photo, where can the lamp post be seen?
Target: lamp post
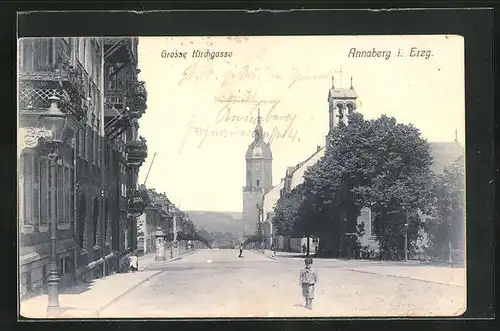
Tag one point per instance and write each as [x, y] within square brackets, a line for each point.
[54, 120]
[259, 225]
[406, 234]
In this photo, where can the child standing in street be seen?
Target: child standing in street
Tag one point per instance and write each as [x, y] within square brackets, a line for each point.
[308, 279]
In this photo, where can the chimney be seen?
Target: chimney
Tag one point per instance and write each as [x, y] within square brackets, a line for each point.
[318, 148]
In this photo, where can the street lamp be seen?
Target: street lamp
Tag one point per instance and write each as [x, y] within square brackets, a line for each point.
[55, 121]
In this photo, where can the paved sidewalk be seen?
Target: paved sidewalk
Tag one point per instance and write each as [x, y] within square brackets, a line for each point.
[415, 270]
[85, 300]
[434, 274]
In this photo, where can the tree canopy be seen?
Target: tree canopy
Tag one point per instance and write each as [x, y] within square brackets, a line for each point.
[446, 224]
[377, 163]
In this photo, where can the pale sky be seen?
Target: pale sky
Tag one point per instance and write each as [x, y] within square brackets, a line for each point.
[200, 138]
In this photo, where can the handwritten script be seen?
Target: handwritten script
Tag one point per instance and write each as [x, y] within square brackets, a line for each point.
[231, 123]
[238, 98]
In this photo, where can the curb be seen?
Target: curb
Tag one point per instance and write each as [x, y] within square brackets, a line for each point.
[261, 253]
[171, 260]
[404, 277]
[96, 312]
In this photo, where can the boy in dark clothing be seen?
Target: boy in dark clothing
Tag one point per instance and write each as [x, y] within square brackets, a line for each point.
[308, 278]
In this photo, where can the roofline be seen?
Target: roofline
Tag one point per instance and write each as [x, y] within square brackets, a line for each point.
[300, 164]
[274, 187]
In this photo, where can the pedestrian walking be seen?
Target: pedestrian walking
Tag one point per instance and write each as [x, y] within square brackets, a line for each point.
[308, 279]
[241, 250]
[134, 262]
[304, 248]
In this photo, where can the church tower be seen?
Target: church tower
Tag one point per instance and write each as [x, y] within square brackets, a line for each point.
[341, 102]
[259, 159]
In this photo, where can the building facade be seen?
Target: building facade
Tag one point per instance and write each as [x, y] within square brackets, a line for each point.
[157, 214]
[77, 191]
[259, 159]
[126, 151]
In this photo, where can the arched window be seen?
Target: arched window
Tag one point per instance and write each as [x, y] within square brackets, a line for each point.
[257, 182]
[350, 108]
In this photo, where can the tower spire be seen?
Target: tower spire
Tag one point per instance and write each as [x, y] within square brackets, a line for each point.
[259, 132]
[456, 135]
[352, 87]
[333, 82]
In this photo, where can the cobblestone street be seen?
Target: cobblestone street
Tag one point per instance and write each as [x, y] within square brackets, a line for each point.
[216, 283]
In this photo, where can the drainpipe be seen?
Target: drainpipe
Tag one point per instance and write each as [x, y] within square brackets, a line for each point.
[75, 199]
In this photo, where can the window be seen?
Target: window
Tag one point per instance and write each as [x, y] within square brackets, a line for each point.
[82, 214]
[44, 191]
[81, 50]
[106, 207]
[94, 147]
[72, 208]
[43, 54]
[68, 210]
[38, 192]
[88, 56]
[81, 142]
[29, 196]
[60, 195]
[257, 182]
[88, 142]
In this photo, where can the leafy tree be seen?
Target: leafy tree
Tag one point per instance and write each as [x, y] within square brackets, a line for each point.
[286, 217]
[446, 224]
[377, 163]
[398, 182]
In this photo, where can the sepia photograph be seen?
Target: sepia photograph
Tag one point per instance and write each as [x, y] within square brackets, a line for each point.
[241, 176]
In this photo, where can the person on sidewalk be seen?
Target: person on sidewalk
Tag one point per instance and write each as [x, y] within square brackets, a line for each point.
[134, 262]
[241, 250]
[308, 279]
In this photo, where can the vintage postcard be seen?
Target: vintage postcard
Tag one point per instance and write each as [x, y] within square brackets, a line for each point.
[262, 176]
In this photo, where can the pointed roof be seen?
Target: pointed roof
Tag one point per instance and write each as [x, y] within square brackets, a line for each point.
[259, 149]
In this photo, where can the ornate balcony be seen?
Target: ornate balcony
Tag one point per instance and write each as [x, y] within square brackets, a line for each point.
[120, 52]
[137, 151]
[137, 96]
[137, 201]
[49, 79]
